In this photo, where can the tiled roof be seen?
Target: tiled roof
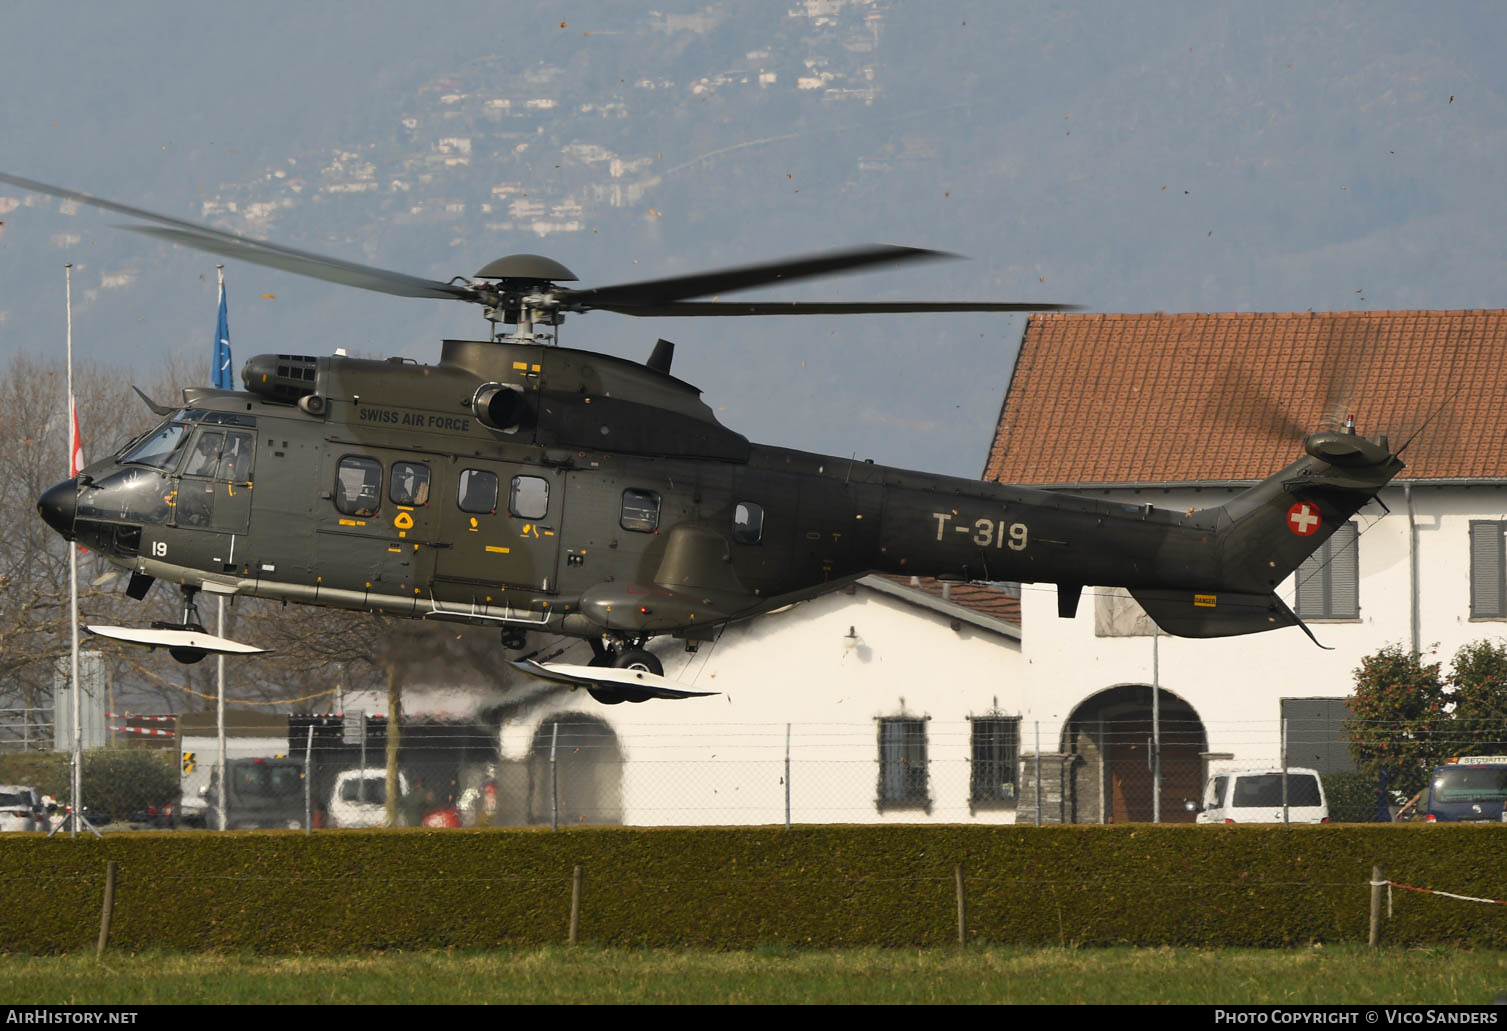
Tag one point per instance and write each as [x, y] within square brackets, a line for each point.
[1179, 398]
[979, 598]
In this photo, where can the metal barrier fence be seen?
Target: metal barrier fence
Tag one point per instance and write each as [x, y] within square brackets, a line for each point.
[578, 768]
[25, 730]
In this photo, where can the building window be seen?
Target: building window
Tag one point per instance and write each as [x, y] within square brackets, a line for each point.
[996, 750]
[1488, 570]
[902, 763]
[358, 485]
[1329, 579]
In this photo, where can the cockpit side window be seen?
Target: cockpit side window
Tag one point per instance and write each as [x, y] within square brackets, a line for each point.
[159, 450]
[235, 460]
[205, 454]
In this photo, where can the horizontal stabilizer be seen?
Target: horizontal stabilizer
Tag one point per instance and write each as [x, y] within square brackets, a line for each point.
[608, 678]
[196, 640]
[1215, 614]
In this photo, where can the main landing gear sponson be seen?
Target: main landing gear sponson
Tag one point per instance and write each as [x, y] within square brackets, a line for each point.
[623, 656]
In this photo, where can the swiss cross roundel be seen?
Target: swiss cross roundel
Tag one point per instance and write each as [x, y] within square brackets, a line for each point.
[1303, 519]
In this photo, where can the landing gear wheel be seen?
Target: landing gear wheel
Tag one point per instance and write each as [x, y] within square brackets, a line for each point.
[604, 695]
[637, 658]
[188, 656]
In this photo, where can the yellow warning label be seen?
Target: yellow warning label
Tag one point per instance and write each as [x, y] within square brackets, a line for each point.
[1205, 601]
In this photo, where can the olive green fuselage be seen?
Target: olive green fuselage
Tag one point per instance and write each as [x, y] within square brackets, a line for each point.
[611, 502]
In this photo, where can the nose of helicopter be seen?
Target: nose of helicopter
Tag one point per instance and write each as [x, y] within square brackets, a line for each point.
[58, 505]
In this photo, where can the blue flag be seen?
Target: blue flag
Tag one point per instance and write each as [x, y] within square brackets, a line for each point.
[221, 377]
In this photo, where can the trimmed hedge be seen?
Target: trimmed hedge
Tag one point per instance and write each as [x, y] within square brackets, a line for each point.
[345, 891]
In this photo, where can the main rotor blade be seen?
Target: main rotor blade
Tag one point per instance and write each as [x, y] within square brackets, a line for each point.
[689, 308]
[289, 259]
[741, 277]
[304, 263]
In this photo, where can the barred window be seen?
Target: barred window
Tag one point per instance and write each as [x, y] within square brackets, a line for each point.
[996, 749]
[1488, 569]
[902, 762]
[1329, 579]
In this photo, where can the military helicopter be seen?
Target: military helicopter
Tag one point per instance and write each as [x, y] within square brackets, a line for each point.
[532, 487]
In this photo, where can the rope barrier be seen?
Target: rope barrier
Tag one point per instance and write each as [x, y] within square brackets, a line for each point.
[1435, 891]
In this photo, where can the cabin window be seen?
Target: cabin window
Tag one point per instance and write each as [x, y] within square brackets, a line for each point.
[358, 486]
[1328, 581]
[528, 497]
[409, 484]
[1488, 569]
[748, 522]
[995, 748]
[640, 511]
[902, 763]
[478, 491]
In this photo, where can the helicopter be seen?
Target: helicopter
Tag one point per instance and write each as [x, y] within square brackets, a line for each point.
[528, 486]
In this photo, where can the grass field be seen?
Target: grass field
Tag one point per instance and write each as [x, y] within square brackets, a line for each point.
[1332, 975]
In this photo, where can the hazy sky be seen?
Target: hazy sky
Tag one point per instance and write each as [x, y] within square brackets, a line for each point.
[1168, 156]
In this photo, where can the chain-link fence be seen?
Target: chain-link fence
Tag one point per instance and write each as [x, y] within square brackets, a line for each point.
[574, 768]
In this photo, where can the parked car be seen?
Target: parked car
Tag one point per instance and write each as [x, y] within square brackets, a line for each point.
[21, 809]
[359, 797]
[1466, 790]
[1255, 796]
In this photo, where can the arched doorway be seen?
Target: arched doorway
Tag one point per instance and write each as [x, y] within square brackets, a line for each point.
[1110, 733]
[587, 779]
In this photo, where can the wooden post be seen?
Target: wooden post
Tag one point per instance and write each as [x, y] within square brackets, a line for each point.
[108, 909]
[575, 903]
[1376, 889]
[394, 717]
[962, 906]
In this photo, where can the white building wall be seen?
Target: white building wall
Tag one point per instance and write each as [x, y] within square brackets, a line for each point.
[721, 759]
[1235, 684]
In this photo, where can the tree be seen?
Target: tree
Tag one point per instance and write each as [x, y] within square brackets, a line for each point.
[1396, 707]
[1407, 717]
[1478, 700]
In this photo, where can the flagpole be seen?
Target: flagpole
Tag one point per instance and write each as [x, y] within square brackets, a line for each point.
[76, 787]
[220, 599]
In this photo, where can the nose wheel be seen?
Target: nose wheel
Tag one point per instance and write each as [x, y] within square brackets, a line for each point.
[191, 621]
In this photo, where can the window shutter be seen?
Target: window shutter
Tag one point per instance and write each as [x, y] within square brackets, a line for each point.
[1310, 594]
[1486, 570]
[1344, 573]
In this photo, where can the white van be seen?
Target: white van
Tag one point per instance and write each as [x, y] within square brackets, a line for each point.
[1255, 796]
[359, 797]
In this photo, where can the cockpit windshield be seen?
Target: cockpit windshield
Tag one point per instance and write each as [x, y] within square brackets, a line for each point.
[160, 448]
